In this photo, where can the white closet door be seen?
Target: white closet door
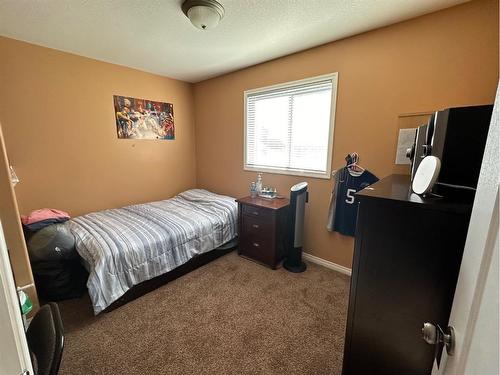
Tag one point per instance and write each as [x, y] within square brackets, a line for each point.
[14, 353]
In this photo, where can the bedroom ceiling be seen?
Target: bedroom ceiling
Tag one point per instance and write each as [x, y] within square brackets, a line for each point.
[155, 36]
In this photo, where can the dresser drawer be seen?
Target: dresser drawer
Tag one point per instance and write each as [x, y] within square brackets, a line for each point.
[264, 241]
[256, 225]
[257, 249]
[257, 212]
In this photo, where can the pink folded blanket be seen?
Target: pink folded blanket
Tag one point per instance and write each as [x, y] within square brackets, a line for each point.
[43, 214]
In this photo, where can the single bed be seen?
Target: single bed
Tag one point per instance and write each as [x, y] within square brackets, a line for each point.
[127, 246]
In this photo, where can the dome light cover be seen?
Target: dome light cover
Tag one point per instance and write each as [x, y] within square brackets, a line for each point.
[203, 14]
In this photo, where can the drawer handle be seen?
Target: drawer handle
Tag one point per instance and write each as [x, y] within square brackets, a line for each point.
[255, 212]
[256, 226]
[255, 244]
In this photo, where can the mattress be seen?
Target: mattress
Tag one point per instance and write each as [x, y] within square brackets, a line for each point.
[126, 246]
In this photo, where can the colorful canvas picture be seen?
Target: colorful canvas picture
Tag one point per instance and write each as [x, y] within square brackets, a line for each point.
[143, 119]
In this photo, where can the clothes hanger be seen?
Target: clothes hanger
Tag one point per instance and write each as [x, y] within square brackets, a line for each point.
[354, 166]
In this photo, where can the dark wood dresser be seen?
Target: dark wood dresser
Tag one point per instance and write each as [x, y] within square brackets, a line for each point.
[407, 257]
[262, 226]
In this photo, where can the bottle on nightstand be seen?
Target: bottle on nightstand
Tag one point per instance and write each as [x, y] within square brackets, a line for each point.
[259, 184]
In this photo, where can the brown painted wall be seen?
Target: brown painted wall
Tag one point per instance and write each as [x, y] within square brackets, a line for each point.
[58, 120]
[449, 58]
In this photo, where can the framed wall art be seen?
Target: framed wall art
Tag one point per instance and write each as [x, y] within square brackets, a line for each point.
[143, 119]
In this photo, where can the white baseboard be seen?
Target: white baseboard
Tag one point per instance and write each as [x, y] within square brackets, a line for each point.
[327, 264]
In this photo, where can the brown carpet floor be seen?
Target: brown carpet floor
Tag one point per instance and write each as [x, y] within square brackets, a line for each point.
[231, 316]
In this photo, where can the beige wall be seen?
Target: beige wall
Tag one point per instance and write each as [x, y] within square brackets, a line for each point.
[57, 114]
[449, 58]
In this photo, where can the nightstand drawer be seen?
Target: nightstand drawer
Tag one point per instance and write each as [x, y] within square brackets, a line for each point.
[257, 249]
[260, 240]
[259, 212]
[255, 225]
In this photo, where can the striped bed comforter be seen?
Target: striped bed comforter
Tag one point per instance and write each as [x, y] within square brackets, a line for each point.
[128, 245]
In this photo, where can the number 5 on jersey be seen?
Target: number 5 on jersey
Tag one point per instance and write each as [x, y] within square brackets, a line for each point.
[350, 196]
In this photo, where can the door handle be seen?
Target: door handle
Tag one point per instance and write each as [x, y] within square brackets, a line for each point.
[256, 226]
[435, 335]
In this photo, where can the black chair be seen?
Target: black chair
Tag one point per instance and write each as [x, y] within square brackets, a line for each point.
[45, 336]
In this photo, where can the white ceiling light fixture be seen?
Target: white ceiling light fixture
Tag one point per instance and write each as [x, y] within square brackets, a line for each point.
[203, 14]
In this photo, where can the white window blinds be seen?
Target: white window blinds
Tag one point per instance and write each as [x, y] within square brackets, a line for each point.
[288, 127]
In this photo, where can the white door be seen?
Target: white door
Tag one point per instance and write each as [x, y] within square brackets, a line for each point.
[14, 354]
[475, 312]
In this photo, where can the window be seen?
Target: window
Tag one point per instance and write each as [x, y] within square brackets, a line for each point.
[289, 127]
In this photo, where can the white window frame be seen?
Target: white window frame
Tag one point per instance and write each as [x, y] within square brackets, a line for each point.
[298, 172]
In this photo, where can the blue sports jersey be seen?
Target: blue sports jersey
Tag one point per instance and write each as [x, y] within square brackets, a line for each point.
[343, 210]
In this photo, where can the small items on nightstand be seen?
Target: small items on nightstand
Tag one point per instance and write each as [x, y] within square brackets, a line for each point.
[253, 189]
[268, 192]
[258, 189]
[259, 183]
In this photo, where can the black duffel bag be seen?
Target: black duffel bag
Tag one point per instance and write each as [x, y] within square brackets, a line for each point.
[55, 263]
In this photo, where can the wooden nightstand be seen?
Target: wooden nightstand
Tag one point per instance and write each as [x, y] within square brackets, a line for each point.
[262, 228]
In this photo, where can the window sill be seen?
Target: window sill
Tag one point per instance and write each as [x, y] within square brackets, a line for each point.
[324, 176]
